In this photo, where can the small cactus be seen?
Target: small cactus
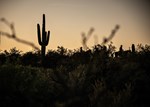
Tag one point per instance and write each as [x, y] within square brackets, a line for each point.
[45, 38]
[121, 49]
[133, 48]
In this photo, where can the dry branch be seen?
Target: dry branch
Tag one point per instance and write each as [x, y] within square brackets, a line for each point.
[13, 35]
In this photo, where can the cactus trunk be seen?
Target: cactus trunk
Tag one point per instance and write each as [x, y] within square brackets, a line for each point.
[43, 50]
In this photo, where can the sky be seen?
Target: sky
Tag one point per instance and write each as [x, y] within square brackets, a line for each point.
[67, 19]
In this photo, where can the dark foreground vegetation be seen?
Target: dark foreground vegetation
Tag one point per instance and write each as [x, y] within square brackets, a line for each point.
[93, 78]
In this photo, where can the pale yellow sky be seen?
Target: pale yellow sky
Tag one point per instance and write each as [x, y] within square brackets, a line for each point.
[67, 19]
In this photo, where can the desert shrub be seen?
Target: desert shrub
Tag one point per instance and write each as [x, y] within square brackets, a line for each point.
[24, 85]
[30, 58]
[99, 81]
[2, 58]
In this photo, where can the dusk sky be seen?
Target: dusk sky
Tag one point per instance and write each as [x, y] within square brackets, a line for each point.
[67, 19]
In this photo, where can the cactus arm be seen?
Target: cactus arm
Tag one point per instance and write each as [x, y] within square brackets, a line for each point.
[39, 34]
[47, 39]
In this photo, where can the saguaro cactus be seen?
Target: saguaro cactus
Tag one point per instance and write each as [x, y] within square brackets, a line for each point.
[45, 38]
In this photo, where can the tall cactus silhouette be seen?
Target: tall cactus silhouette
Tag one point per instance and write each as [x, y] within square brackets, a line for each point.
[45, 39]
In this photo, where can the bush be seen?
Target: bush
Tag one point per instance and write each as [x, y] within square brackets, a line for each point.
[100, 81]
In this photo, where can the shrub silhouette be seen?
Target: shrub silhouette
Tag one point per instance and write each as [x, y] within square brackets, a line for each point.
[125, 53]
[13, 56]
[2, 58]
[30, 59]
[45, 39]
[79, 79]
